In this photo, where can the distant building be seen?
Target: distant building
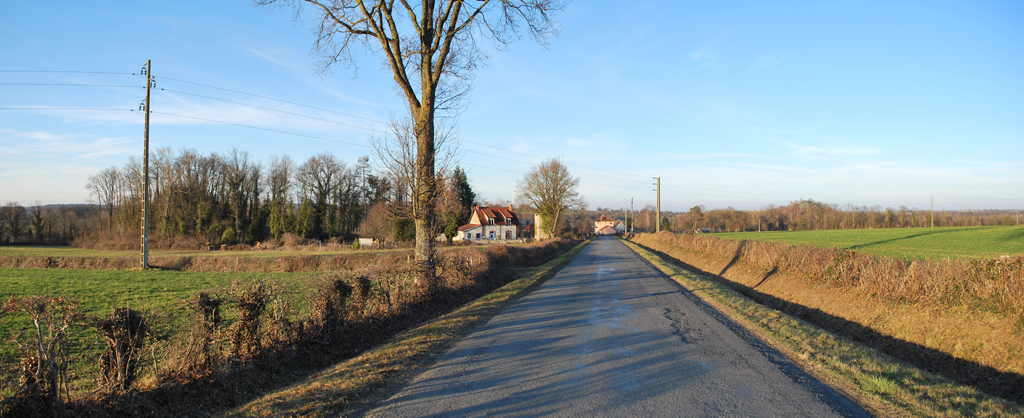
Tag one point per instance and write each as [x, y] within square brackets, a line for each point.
[608, 226]
[491, 223]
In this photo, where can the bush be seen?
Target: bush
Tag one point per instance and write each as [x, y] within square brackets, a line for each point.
[124, 333]
[250, 303]
[43, 386]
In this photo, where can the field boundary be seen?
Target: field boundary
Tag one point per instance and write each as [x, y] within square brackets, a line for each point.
[353, 387]
[882, 385]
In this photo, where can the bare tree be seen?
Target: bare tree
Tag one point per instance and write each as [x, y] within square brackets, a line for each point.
[318, 178]
[281, 171]
[431, 48]
[14, 217]
[241, 178]
[38, 222]
[377, 224]
[104, 186]
[550, 189]
[396, 151]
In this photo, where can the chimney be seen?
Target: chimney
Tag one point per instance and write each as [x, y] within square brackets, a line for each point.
[510, 207]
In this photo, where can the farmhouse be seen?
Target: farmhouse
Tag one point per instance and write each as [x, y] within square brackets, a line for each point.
[608, 226]
[490, 223]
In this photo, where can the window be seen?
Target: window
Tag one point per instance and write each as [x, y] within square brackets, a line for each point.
[508, 221]
[477, 235]
[491, 221]
[491, 236]
[508, 234]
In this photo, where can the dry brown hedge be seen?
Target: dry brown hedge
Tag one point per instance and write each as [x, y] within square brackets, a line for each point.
[989, 285]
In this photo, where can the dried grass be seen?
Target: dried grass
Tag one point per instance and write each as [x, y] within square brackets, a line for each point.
[990, 285]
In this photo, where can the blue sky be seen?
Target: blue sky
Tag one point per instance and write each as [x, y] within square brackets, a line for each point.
[739, 104]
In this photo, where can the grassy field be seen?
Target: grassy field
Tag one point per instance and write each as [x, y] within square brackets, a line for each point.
[99, 291]
[66, 251]
[907, 243]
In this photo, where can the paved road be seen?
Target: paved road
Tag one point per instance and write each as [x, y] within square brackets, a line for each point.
[611, 336]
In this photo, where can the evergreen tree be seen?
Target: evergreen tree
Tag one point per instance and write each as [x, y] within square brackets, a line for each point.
[466, 194]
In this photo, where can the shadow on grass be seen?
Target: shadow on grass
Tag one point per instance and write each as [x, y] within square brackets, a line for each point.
[1006, 385]
[886, 241]
[1013, 236]
[735, 258]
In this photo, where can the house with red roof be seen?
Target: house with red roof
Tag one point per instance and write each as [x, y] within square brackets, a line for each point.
[491, 223]
[608, 226]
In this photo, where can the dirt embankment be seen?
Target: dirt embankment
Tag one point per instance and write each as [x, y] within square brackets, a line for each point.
[962, 319]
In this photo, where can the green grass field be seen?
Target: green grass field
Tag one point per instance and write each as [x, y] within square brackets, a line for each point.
[907, 243]
[157, 291]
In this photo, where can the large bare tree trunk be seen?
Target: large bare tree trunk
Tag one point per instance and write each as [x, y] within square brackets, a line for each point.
[425, 188]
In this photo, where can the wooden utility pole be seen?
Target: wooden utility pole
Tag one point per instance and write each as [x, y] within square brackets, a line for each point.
[148, 73]
[657, 220]
[933, 211]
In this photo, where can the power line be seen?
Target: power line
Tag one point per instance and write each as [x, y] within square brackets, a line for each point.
[270, 109]
[60, 108]
[262, 129]
[684, 189]
[581, 182]
[62, 71]
[270, 98]
[70, 85]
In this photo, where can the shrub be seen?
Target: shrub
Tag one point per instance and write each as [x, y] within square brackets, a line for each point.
[198, 352]
[43, 387]
[245, 333]
[124, 333]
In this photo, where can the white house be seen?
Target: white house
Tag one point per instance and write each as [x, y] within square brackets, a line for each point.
[490, 223]
[608, 226]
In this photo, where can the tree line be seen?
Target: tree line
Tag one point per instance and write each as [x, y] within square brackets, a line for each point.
[232, 198]
[810, 215]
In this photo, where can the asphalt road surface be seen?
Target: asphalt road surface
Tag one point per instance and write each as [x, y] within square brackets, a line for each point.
[610, 335]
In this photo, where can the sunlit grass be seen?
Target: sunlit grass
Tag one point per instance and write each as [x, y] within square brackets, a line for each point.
[906, 243]
[158, 292]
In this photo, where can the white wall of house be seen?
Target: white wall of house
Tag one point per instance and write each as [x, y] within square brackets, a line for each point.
[489, 232]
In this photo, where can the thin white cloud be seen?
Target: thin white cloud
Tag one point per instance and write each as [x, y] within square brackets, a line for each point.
[796, 131]
[704, 56]
[704, 156]
[62, 146]
[833, 151]
[764, 63]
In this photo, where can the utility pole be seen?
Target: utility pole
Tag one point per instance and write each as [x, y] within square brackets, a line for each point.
[148, 73]
[631, 228]
[657, 220]
[933, 211]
